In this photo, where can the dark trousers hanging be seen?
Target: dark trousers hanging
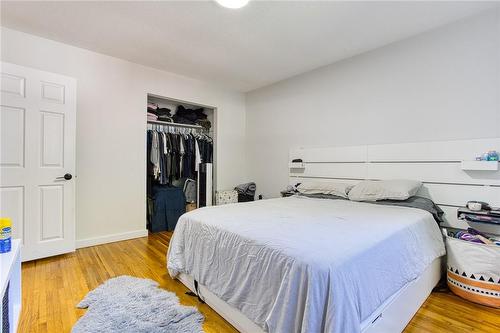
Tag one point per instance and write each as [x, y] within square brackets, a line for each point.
[169, 205]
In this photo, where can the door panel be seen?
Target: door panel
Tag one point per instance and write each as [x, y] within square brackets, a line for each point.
[12, 204]
[12, 84]
[12, 129]
[37, 140]
[52, 139]
[52, 212]
[53, 92]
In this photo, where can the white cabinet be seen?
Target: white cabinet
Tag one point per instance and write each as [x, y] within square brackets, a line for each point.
[10, 283]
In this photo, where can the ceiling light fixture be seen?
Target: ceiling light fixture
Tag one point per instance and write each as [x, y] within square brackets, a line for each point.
[233, 4]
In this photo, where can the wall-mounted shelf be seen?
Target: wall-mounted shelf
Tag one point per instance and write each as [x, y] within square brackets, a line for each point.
[480, 165]
[297, 165]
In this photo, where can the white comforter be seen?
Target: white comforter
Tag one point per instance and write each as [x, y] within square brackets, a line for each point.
[305, 265]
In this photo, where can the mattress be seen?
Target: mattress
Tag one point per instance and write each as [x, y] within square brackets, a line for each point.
[305, 265]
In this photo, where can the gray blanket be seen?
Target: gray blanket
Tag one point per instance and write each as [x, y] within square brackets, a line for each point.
[413, 202]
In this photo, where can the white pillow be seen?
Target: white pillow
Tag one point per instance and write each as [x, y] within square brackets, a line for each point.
[338, 189]
[374, 190]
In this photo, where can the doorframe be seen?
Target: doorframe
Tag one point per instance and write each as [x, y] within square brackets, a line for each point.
[215, 126]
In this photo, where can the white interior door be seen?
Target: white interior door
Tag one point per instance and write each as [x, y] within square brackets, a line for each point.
[37, 149]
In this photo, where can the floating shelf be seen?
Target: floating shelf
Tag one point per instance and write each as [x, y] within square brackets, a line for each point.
[480, 165]
[297, 165]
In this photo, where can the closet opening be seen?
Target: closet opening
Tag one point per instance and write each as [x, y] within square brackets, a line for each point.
[180, 159]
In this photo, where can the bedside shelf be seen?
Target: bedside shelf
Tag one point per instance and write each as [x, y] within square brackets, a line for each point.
[297, 165]
[480, 165]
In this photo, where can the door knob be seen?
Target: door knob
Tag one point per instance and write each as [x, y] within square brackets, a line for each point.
[67, 176]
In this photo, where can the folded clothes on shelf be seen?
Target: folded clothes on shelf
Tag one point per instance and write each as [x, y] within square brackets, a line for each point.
[480, 218]
[152, 107]
[191, 117]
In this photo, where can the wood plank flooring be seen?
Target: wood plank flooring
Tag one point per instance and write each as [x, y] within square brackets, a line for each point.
[52, 287]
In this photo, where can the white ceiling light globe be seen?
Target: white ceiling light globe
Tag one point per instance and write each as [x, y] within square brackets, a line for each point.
[233, 4]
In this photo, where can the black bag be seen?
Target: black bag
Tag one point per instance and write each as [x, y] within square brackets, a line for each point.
[245, 197]
[246, 192]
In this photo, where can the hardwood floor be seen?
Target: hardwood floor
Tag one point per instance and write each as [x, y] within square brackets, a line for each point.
[53, 286]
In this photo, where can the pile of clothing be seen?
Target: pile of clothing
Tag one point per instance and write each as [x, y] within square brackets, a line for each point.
[157, 113]
[191, 117]
[172, 156]
[152, 116]
[246, 192]
[475, 236]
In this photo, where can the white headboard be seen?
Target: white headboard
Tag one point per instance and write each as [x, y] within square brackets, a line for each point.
[436, 164]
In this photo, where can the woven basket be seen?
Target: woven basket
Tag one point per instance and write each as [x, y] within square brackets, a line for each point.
[473, 271]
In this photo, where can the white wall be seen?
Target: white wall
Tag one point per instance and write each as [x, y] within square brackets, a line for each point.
[441, 85]
[111, 125]
[426, 88]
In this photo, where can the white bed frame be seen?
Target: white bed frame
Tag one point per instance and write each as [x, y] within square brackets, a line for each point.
[392, 316]
[436, 164]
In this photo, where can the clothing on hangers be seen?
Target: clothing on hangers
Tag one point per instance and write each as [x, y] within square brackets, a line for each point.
[182, 152]
[155, 158]
[197, 156]
[175, 153]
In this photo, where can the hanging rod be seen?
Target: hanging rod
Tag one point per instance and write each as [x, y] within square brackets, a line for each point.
[166, 123]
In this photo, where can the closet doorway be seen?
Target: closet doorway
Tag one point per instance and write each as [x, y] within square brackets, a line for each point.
[180, 159]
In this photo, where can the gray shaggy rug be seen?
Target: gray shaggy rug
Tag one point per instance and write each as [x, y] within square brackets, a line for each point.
[126, 304]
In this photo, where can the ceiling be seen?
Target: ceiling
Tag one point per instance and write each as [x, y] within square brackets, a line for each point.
[244, 49]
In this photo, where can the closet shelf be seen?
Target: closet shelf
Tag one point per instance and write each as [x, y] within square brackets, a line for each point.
[158, 122]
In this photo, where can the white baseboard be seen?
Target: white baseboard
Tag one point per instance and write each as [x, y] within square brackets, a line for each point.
[110, 238]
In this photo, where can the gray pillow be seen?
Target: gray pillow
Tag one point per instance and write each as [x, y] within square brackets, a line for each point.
[331, 188]
[374, 190]
[322, 196]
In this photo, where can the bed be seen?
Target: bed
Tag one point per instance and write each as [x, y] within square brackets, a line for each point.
[301, 264]
[318, 265]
